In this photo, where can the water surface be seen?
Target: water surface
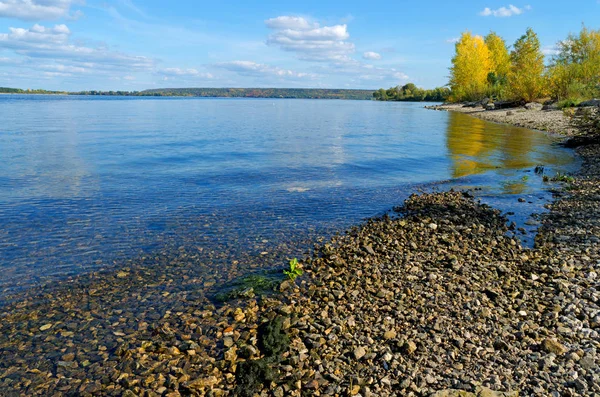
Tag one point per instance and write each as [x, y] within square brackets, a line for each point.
[89, 182]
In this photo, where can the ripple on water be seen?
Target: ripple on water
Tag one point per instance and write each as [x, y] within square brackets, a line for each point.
[91, 183]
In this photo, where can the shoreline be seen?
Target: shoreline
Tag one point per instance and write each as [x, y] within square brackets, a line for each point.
[412, 305]
[551, 121]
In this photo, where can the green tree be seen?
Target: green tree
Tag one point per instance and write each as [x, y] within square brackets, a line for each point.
[526, 78]
[575, 70]
[500, 64]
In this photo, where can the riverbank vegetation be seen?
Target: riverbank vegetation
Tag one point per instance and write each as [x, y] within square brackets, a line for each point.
[412, 93]
[483, 67]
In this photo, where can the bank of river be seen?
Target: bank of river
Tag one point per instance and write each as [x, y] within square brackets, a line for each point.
[438, 296]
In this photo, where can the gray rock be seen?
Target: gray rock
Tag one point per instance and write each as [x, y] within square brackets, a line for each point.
[587, 362]
[533, 106]
[591, 102]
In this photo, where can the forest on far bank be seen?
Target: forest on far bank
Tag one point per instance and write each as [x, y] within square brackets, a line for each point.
[298, 93]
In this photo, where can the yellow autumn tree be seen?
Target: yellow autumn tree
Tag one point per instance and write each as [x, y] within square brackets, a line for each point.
[500, 63]
[471, 65]
[575, 70]
[526, 78]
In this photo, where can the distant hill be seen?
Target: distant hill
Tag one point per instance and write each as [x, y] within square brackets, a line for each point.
[7, 90]
[313, 93]
[309, 93]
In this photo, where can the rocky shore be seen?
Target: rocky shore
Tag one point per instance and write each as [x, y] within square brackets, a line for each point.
[533, 117]
[438, 300]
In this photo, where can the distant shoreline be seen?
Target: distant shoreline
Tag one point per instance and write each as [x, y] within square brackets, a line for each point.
[271, 93]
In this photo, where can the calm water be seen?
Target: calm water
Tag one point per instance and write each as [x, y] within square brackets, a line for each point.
[89, 182]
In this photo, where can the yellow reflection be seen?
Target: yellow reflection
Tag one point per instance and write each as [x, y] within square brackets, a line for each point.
[514, 187]
[476, 146]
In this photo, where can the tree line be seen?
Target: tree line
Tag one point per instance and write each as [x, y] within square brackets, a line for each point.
[410, 92]
[7, 90]
[484, 67]
[299, 93]
[308, 93]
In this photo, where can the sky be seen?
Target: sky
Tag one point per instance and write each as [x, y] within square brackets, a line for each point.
[135, 45]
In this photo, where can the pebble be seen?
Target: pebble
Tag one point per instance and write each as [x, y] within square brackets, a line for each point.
[359, 352]
[553, 346]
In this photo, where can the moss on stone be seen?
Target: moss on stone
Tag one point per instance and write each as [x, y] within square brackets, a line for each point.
[251, 376]
[272, 340]
[249, 286]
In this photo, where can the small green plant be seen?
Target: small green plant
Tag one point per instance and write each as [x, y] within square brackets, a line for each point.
[294, 271]
[568, 103]
[559, 177]
[563, 178]
[524, 178]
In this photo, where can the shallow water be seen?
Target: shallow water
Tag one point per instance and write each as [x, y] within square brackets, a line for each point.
[89, 182]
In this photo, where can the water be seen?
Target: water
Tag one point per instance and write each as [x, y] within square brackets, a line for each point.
[89, 182]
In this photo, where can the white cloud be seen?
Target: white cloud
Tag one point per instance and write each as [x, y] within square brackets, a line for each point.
[60, 68]
[452, 40]
[309, 40]
[328, 45]
[54, 44]
[36, 10]
[358, 72]
[371, 55]
[504, 11]
[550, 50]
[249, 68]
[177, 72]
[36, 34]
[290, 22]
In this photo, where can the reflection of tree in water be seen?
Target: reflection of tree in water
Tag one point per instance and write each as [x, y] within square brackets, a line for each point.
[476, 146]
[514, 187]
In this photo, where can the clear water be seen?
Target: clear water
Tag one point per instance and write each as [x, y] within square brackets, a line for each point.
[87, 182]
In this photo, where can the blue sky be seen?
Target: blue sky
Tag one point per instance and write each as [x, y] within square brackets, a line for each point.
[135, 45]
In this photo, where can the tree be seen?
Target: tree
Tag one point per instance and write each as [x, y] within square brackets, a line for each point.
[380, 95]
[575, 70]
[500, 63]
[471, 65]
[410, 92]
[526, 80]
